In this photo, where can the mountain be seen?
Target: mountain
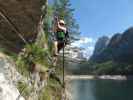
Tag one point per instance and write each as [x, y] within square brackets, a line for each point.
[119, 48]
[100, 46]
[124, 51]
[73, 52]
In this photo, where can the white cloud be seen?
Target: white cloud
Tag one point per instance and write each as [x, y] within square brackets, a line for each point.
[87, 43]
[86, 40]
[88, 52]
[90, 48]
[82, 41]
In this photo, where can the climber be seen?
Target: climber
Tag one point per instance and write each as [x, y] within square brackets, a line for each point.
[60, 36]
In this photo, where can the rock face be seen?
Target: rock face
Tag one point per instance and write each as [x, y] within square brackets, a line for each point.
[124, 51]
[119, 48]
[19, 18]
[8, 91]
[114, 42]
[100, 46]
[8, 78]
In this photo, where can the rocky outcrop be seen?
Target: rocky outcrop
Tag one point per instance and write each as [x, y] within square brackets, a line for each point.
[118, 49]
[100, 46]
[124, 51]
[19, 19]
[114, 42]
[8, 80]
[7, 90]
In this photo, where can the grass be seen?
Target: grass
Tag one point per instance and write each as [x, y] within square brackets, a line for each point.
[52, 90]
[8, 52]
[36, 55]
[31, 55]
[24, 89]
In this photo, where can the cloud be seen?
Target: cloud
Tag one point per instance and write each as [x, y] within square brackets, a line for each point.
[87, 43]
[90, 48]
[88, 51]
[83, 41]
[86, 40]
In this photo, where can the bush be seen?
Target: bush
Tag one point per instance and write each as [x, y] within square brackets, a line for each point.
[31, 55]
[24, 89]
[113, 68]
[105, 68]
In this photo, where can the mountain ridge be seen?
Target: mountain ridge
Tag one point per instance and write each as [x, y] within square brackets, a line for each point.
[118, 49]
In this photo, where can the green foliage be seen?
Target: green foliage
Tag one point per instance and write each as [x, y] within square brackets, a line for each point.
[45, 95]
[36, 54]
[113, 68]
[79, 68]
[32, 54]
[24, 89]
[62, 9]
[47, 25]
[22, 66]
[52, 90]
[105, 68]
[8, 52]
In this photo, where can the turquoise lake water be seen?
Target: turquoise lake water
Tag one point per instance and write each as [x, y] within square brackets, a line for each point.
[101, 90]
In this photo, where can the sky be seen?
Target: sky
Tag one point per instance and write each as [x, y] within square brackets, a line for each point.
[103, 17]
[97, 18]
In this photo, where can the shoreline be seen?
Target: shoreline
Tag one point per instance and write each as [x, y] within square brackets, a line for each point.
[102, 77]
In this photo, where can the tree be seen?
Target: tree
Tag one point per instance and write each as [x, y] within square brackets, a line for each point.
[62, 9]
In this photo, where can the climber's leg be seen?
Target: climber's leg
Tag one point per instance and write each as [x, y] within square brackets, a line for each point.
[55, 59]
[55, 48]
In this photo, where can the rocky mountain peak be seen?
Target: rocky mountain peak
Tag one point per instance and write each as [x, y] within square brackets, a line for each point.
[119, 48]
[101, 44]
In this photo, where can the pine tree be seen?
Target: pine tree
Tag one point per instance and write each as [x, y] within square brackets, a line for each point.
[62, 9]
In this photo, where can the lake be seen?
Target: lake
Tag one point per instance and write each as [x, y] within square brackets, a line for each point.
[102, 89]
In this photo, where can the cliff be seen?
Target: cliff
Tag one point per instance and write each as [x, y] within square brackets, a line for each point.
[118, 49]
[100, 46]
[8, 79]
[19, 21]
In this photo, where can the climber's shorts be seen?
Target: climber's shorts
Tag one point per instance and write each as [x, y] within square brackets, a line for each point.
[60, 45]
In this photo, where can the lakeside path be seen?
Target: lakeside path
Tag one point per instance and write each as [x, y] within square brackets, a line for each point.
[88, 77]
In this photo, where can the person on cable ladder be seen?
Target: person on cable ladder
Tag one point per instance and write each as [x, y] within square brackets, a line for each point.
[60, 37]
